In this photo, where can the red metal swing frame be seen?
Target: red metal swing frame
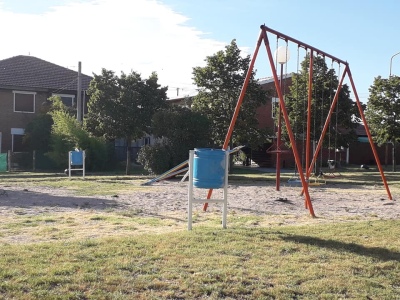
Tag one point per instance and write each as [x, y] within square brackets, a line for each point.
[309, 164]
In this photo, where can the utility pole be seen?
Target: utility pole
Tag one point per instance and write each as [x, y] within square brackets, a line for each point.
[79, 95]
[393, 139]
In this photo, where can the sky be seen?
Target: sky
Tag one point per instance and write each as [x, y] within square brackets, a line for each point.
[171, 37]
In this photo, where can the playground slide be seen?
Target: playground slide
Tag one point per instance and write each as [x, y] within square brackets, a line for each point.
[171, 172]
[180, 169]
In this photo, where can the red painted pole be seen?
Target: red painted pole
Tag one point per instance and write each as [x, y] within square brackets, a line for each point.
[287, 122]
[326, 125]
[238, 104]
[371, 142]
[327, 121]
[301, 44]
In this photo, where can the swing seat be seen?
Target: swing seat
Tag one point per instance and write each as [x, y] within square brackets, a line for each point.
[319, 178]
[332, 166]
[295, 180]
[275, 149]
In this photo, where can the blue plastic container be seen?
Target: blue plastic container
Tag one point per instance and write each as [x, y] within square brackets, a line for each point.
[76, 158]
[209, 168]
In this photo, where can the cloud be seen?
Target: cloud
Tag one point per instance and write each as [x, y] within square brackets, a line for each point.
[119, 35]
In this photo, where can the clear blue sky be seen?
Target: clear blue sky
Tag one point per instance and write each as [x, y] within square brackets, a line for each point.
[365, 33]
[172, 36]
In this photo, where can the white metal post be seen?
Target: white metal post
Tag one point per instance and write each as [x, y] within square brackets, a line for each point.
[83, 161]
[191, 199]
[69, 163]
[190, 193]
[225, 204]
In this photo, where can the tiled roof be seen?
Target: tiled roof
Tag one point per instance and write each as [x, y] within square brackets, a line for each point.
[32, 72]
[360, 130]
[270, 79]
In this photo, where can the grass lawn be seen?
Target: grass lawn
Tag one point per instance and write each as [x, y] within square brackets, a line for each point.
[355, 260]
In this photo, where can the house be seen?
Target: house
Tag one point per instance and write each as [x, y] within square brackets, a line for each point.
[25, 84]
[358, 152]
[265, 115]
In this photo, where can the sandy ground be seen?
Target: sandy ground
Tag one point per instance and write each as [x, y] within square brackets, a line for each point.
[331, 202]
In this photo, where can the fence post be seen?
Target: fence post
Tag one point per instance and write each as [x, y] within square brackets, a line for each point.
[9, 160]
[34, 161]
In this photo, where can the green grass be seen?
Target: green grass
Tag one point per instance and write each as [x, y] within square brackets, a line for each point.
[356, 260]
[350, 175]
[114, 254]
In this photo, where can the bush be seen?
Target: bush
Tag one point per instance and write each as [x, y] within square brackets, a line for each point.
[181, 130]
[99, 155]
[155, 159]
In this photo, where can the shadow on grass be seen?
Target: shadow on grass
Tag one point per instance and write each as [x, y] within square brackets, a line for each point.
[30, 199]
[375, 252]
[31, 175]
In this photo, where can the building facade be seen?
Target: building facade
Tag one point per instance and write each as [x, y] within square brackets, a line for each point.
[26, 82]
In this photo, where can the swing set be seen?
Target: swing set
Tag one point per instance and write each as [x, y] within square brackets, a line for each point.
[310, 162]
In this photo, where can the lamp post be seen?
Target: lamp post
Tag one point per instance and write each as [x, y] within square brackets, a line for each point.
[282, 56]
[393, 140]
[391, 59]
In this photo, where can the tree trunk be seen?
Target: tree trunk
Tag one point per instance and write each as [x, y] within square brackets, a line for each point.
[394, 155]
[230, 157]
[386, 153]
[128, 156]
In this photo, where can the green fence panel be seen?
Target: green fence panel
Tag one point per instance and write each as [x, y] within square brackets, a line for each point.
[3, 162]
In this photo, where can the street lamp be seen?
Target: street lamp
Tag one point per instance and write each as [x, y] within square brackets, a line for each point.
[282, 55]
[393, 140]
[390, 69]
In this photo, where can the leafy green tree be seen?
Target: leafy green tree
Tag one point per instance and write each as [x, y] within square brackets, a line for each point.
[180, 130]
[67, 133]
[219, 84]
[38, 133]
[345, 117]
[122, 107]
[156, 159]
[383, 111]
[183, 129]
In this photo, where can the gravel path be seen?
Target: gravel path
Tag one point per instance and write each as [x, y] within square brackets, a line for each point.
[330, 202]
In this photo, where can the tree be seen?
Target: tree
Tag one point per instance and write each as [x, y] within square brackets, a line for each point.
[122, 107]
[219, 84]
[179, 129]
[383, 111]
[184, 129]
[345, 117]
[67, 133]
[38, 133]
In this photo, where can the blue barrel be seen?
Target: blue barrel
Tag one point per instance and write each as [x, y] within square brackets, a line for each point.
[76, 158]
[209, 168]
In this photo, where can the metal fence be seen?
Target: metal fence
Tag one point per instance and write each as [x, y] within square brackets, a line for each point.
[120, 153]
[21, 161]
[25, 161]
[3, 162]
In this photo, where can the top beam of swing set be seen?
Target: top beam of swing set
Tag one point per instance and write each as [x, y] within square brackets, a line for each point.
[263, 37]
[301, 44]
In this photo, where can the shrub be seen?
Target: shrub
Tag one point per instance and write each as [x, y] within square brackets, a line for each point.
[155, 159]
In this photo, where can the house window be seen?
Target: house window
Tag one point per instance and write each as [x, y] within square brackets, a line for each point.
[17, 140]
[275, 104]
[24, 102]
[146, 140]
[67, 100]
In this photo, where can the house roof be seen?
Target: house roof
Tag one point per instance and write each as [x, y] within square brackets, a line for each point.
[31, 72]
[360, 130]
[270, 79]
